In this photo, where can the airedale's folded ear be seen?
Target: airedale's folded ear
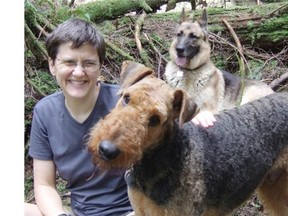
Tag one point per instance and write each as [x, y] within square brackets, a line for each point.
[184, 107]
[131, 73]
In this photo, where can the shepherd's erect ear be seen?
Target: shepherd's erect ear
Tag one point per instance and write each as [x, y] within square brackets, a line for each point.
[184, 107]
[183, 17]
[203, 21]
[132, 72]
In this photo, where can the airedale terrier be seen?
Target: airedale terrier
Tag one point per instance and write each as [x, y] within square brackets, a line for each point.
[176, 168]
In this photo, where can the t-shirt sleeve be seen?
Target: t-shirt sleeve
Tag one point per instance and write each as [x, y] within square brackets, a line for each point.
[39, 147]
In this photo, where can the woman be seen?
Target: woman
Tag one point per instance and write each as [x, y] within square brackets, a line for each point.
[61, 124]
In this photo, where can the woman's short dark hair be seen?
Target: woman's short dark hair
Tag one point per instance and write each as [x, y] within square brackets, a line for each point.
[77, 31]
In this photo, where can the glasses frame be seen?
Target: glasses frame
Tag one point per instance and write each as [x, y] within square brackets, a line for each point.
[87, 65]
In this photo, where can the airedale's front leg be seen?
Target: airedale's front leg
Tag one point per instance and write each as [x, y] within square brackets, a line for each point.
[143, 206]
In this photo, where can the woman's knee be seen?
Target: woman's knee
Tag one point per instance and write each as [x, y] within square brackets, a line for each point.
[31, 210]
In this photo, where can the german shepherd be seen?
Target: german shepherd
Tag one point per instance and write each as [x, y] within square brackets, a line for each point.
[191, 69]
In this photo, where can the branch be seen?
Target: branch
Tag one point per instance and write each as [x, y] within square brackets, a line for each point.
[118, 50]
[35, 87]
[154, 48]
[274, 11]
[275, 83]
[138, 26]
[34, 45]
[240, 59]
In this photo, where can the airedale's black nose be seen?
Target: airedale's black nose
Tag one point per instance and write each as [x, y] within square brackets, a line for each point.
[108, 151]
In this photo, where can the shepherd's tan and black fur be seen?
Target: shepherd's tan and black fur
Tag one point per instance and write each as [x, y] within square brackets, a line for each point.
[191, 69]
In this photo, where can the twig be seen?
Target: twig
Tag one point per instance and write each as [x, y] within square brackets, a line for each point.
[31, 199]
[154, 48]
[37, 45]
[237, 41]
[159, 68]
[277, 9]
[35, 87]
[231, 45]
[276, 56]
[118, 50]
[41, 29]
[240, 59]
[138, 26]
[275, 83]
[237, 20]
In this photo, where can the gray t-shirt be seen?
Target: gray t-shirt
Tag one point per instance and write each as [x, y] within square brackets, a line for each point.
[56, 136]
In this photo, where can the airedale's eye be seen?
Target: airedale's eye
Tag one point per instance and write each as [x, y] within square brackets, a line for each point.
[126, 98]
[154, 120]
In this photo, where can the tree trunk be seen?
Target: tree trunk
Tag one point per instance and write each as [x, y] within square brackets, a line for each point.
[110, 9]
[264, 26]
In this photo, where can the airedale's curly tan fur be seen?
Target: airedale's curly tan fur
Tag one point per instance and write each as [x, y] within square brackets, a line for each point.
[177, 168]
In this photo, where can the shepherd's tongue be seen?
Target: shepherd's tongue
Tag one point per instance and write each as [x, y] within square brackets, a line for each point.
[181, 61]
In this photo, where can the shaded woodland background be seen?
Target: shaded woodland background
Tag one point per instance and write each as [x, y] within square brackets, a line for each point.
[247, 39]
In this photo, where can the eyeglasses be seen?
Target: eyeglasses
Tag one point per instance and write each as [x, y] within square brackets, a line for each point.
[88, 65]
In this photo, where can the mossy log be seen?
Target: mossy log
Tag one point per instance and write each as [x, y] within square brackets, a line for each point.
[110, 9]
[264, 26]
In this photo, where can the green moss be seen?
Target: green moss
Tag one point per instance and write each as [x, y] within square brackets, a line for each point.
[250, 24]
[218, 61]
[28, 185]
[168, 16]
[269, 30]
[255, 70]
[45, 82]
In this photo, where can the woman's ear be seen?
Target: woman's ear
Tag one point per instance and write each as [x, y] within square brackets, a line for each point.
[51, 63]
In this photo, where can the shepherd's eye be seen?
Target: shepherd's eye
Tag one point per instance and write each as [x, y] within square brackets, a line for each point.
[126, 98]
[192, 36]
[154, 120]
[179, 34]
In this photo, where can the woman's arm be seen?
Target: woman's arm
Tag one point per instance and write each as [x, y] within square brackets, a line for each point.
[46, 195]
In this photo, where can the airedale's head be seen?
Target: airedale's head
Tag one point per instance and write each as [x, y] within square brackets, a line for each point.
[142, 116]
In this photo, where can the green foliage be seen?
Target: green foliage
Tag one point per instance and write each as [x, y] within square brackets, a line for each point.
[218, 60]
[29, 105]
[256, 70]
[30, 11]
[168, 16]
[45, 82]
[270, 29]
[250, 24]
[28, 54]
[161, 43]
[28, 185]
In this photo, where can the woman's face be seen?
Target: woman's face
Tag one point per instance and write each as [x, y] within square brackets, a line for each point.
[76, 70]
